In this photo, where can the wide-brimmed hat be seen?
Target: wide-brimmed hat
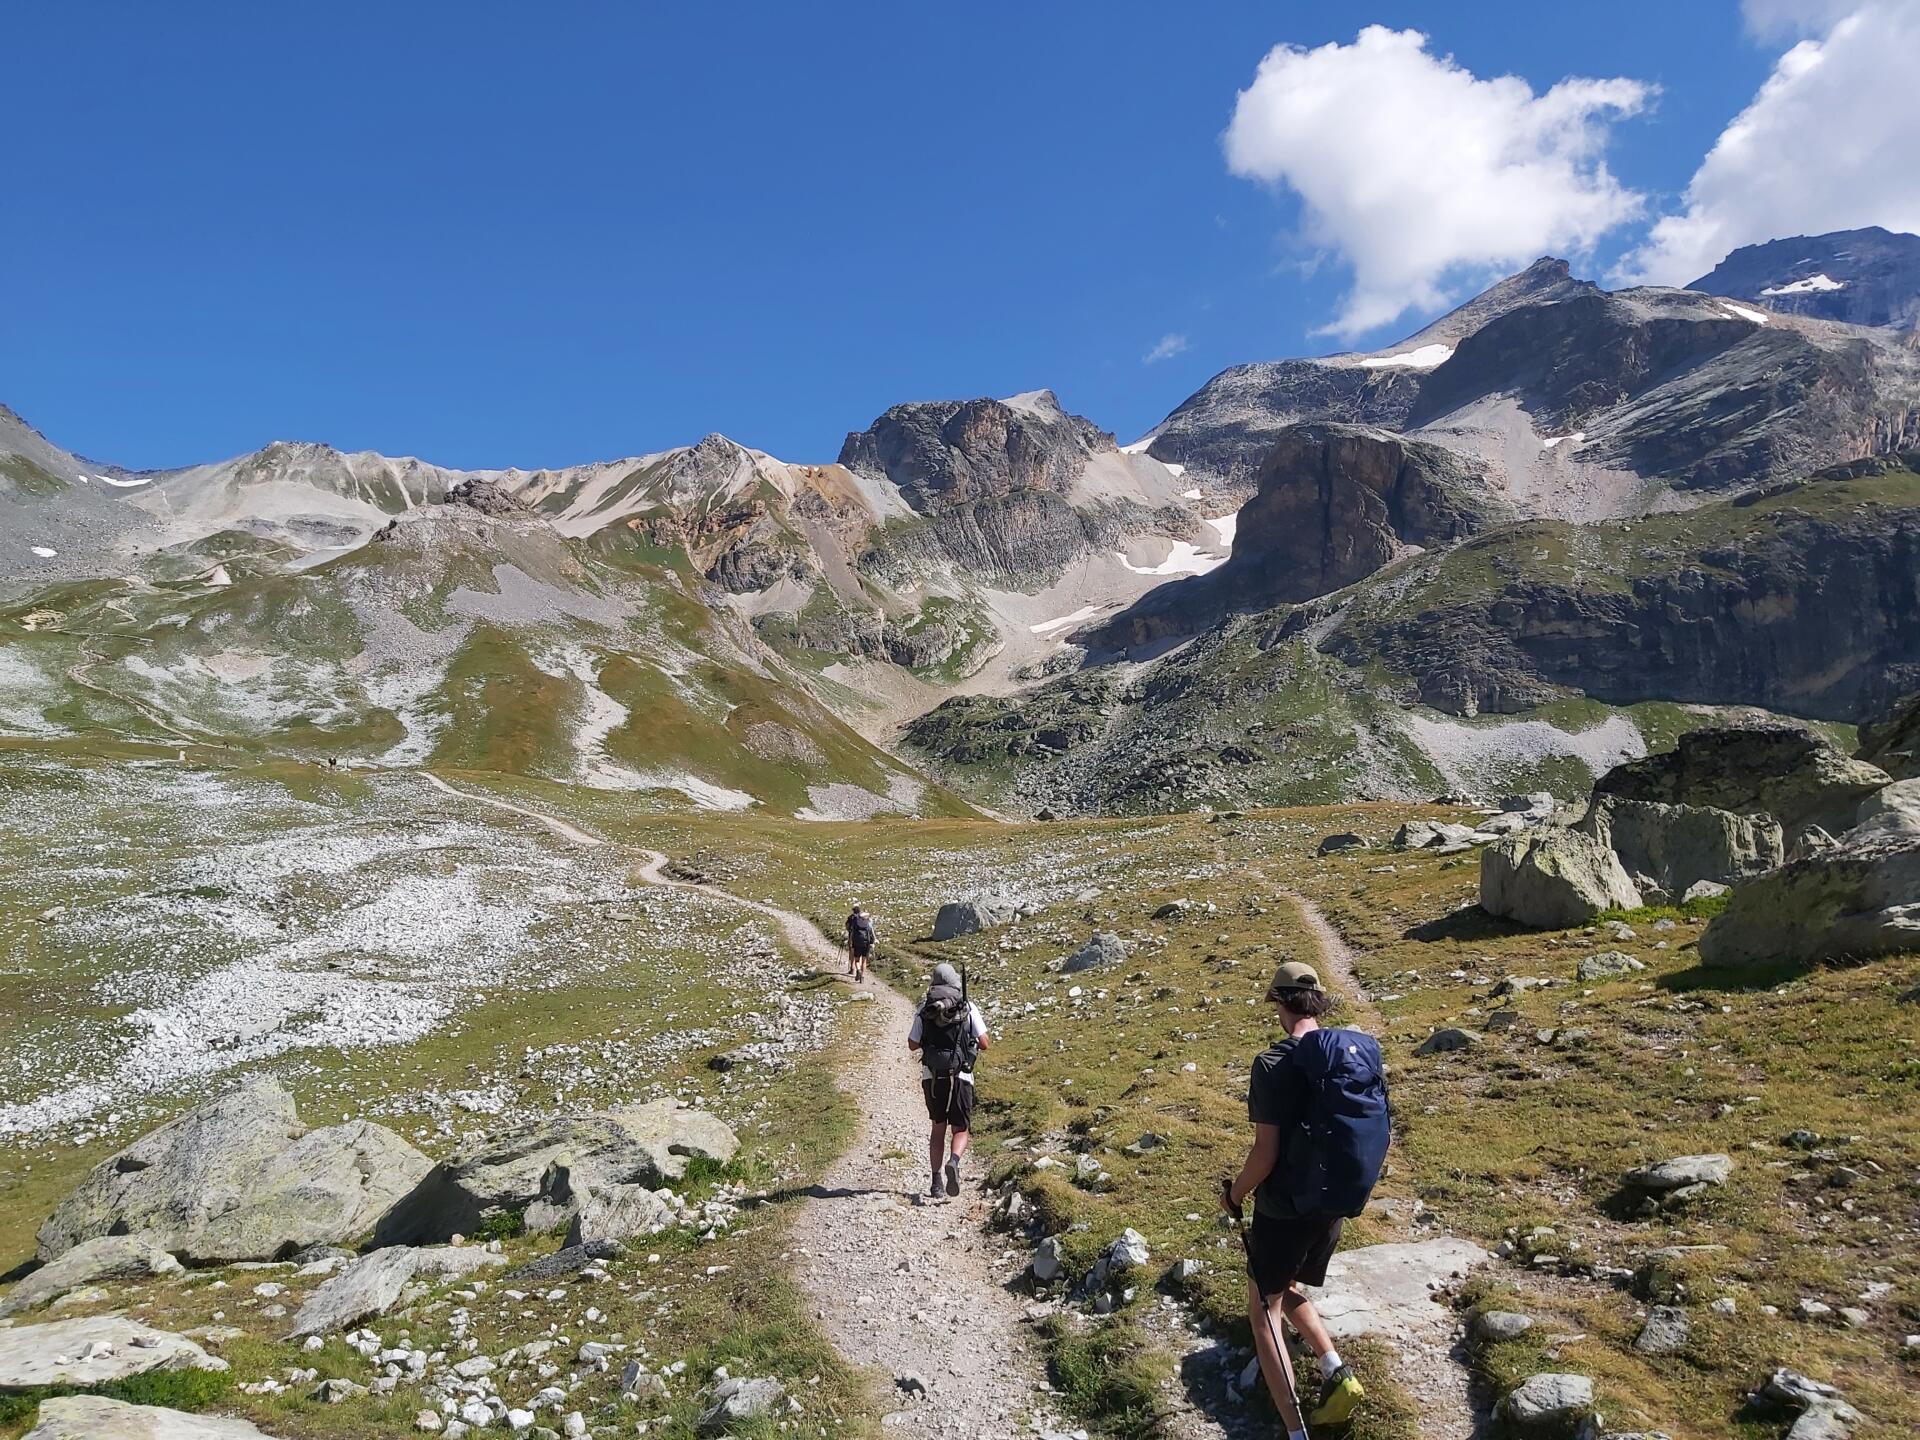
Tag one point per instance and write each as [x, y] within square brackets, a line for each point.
[1294, 975]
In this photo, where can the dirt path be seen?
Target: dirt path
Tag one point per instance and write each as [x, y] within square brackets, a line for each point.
[916, 1291]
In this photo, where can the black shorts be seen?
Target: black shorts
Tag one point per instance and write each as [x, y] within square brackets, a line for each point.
[860, 952]
[949, 1102]
[1289, 1252]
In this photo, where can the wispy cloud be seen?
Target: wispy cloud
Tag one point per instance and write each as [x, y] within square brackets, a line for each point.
[1168, 346]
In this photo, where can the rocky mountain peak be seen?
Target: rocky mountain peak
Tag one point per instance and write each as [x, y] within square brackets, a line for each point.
[948, 453]
[1862, 277]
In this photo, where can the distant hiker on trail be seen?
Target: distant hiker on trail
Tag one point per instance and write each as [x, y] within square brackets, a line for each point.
[859, 942]
[949, 1032]
[1318, 1102]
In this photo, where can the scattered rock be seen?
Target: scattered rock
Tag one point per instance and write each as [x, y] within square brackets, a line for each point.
[92, 1351]
[735, 1399]
[970, 917]
[1607, 964]
[372, 1285]
[1490, 1327]
[1345, 840]
[1105, 948]
[1548, 1404]
[1680, 1172]
[105, 1257]
[1450, 1038]
[1172, 910]
[618, 1212]
[1665, 1332]
[240, 1178]
[1823, 1414]
[1703, 890]
[1392, 1290]
[1048, 1263]
[1552, 879]
[94, 1417]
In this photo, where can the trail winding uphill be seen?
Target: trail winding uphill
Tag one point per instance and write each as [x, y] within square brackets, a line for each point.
[918, 1291]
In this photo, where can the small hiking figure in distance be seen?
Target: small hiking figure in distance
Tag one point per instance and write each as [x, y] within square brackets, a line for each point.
[859, 943]
[949, 1032]
[1318, 1102]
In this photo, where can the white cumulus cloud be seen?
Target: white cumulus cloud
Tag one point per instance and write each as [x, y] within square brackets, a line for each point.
[1775, 19]
[1165, 348]
[1422, 175]
[1829, 143]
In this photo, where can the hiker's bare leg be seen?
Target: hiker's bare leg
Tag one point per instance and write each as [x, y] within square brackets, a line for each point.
[961, 1139]
[1306, 1321]
[1276, 1366]
[936, 1149]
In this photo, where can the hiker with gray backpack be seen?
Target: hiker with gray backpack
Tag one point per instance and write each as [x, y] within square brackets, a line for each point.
[1318, 1102]
[949, 1032]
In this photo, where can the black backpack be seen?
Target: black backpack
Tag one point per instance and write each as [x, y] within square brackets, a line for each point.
[1336, 1152]
[946, 1032]
[861, 928]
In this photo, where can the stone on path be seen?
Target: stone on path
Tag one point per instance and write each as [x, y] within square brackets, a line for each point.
[105, 1257]
[240, 1178]
[1553, 878]
[1490, 1327]
[1548, 1404]
[1389, 1290]
[94, 1417]
[93, 1351]
[373, 1285]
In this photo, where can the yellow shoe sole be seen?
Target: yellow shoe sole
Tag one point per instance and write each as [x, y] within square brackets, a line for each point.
[1340, 1403]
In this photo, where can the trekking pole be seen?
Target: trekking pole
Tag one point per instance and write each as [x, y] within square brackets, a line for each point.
[1279, 1344]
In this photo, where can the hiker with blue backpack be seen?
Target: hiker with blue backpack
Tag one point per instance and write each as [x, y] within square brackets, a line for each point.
[1318, 1102]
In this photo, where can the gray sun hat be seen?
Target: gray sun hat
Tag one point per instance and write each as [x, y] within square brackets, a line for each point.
[945, 974]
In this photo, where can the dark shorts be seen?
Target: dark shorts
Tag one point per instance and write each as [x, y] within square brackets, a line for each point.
[1288, 1252]
[949, 1102]
[860, 952]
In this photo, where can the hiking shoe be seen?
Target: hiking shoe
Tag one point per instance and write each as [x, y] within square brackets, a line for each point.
[1340, 1395]
[936, 1191]
[953, 1177]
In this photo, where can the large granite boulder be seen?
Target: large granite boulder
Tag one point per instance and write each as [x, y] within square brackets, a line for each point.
[372, 1285]
[513, 1169]
[1858, 899]
[1792, 775]
[1552, 878]
[1103, 949]
[970, 917]
[1676, 846]
[105, 1257]
[92, 1351]
[240, 1178]
[94, 1417]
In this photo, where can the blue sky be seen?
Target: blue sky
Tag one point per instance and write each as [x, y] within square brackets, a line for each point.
[501, 234]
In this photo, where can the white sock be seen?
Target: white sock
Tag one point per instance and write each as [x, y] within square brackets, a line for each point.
[1329, 1362]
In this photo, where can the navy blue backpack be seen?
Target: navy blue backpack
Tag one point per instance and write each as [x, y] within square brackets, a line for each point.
[1335, 1154]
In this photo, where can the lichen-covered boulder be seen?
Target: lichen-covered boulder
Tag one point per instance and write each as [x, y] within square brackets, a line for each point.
[1552, 878]
[1856, 900]
[240, 1178]
[970, 917]
[92, 1351]
[1681, 845]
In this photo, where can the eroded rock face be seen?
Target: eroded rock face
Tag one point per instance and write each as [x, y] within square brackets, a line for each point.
[1552, 878]
[1892, 743]
[240, 1178]
[947, 453]
[1862, 277]
[373, 1285]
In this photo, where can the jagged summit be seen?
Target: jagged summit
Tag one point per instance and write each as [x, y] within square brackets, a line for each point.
[1863, 277]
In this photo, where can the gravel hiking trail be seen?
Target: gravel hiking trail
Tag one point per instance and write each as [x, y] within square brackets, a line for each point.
[916, 1291]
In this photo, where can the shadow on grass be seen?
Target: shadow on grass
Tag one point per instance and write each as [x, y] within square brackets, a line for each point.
[1724, 979]
[1470, 923]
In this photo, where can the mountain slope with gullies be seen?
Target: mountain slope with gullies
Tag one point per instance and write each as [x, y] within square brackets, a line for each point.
[1535, 654]
[1863, 277]
[470, 633]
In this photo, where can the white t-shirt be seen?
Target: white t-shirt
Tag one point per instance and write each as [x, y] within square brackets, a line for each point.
[975, 1019]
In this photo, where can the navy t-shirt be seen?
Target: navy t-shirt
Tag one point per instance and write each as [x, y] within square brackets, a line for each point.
[1276, 1095]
